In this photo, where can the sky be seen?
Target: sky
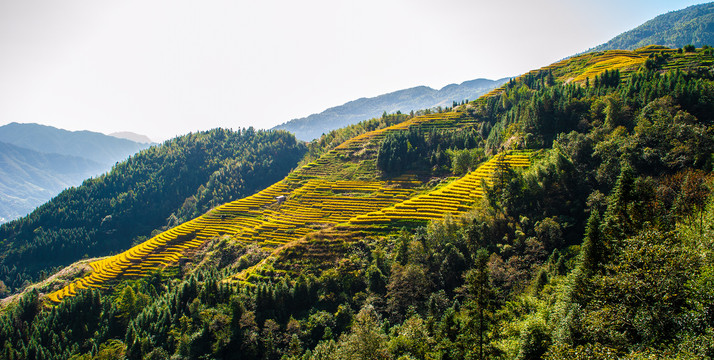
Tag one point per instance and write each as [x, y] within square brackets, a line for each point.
[164, 68]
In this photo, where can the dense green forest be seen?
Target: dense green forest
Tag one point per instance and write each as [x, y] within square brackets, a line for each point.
[155, 189]
[602, 249]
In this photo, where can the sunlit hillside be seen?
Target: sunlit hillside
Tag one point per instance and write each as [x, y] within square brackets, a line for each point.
[344, 190]
[565, 215]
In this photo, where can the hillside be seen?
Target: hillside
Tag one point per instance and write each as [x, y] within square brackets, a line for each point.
[565, 215]
[406, 100]
[30, 178]
[156, 188]
[693, 25]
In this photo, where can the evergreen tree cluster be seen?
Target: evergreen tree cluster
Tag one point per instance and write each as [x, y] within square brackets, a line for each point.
[414, 150]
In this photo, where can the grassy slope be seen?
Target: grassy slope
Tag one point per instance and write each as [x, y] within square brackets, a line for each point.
[342, 194]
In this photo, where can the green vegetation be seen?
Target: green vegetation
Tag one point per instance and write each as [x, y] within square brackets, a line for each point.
[586, 234]
[693, 25]
[158, 188]
[413, 150]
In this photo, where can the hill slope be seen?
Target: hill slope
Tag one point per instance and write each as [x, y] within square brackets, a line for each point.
[342, 186]
[160, 186]
[693, 25]
[417, 98]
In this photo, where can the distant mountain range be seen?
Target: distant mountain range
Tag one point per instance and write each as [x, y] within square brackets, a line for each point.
[141, 139]
[29, 178]
[693, 25]
[95, 146]
[38, 161]
[417, 98]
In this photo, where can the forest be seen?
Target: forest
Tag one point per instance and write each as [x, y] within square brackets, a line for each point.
[675, 29]
[150, 192]
[601, 249]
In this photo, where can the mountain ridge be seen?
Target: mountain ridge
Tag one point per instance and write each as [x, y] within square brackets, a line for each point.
[405, 100]
[30, 178]
[352, 166]
[95, 146]
[692, 25]
[75, 156]
[128, 135]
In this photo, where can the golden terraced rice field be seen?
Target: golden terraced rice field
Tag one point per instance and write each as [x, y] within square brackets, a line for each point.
[319, 195]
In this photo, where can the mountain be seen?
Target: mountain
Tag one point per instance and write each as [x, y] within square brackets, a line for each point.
[565, 215]
[417, 98]
[691, 26]
[138, 138]
[30, 178]
[40, 161]
[158, 187]
[100, 148]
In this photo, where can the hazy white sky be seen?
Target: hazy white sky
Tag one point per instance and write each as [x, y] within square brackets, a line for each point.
[164, 68]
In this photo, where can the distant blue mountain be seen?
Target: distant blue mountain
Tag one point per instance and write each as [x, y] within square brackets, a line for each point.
[37, 162]
[100, 148]
[417, 98]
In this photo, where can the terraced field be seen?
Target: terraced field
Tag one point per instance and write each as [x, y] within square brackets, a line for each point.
[343, 187]
[455, 198]
[335, 189]
[578, 68]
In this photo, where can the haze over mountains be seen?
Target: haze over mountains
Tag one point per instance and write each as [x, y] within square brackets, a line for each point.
[29, 178]
[693, 25]
[142, 139]
[38, 161]
[416, 98]
[95, 146]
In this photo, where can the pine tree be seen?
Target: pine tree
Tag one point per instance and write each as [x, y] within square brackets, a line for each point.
[591, 250]
[480, 302]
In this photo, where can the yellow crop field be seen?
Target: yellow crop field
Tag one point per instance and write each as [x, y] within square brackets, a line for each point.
[611, 62]
[310, 206]
[455, 198]
[342, 189]
[321, 194]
